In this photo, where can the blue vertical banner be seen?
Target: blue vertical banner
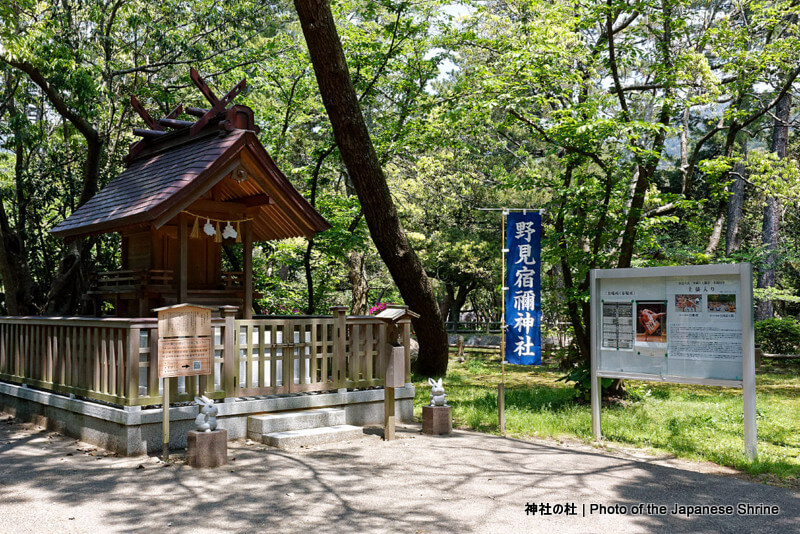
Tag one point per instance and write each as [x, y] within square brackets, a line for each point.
[524, 282]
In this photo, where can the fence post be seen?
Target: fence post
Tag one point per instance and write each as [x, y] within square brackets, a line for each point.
[288, 355]
[407, 349]
[229, 352]
[152, 370]
[132, 367]
[339, 346]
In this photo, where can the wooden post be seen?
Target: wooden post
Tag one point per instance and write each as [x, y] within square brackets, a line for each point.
[183, 259]
[165, 425]
[229, 356]
[152, 371]
[384, 349]
[501, 389]
[339, 346]
[132, 367]
[247, 260]
[387, 336]
[501, 407]
[407, 348]
[389, 418]
[288, 355]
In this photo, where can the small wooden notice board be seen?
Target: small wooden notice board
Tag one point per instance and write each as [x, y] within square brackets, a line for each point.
[184, 349]
[184, 341]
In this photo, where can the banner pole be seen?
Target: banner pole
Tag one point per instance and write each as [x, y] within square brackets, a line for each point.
[501, 390]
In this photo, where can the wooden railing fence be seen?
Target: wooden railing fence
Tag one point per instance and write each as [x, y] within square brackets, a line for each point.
[115, 360]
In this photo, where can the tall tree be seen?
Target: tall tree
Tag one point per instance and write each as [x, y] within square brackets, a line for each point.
[82, 60]
[618, 117]
[772, 208]
[358, 153]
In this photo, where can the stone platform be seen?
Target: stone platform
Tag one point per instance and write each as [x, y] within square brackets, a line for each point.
[133, 430]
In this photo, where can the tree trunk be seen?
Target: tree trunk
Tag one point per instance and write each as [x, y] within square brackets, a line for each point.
[357, 275]
[580, 323]
[358, 154]
[735, 203]
[647, 167]
[447, 301]
[16, 275]
[70, 282]
[17, 278]
[686, 170]
[772, 209]
[722, 209]
[460, 299]
[769, 237]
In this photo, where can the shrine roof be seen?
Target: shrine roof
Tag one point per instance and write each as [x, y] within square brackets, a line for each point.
[213, 164]
[159, 185]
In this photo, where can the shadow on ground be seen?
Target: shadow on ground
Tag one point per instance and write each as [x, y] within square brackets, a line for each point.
[465, 482]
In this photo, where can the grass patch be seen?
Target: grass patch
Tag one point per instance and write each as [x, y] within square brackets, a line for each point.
[694, 422]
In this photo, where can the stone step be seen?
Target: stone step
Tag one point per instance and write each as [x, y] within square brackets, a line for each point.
[292, 439]
[260, 425]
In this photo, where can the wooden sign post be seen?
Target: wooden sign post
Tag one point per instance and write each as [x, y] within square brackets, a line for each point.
[184, 349]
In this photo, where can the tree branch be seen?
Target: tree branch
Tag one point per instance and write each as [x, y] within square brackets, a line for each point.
[570, 149]
[385, 57]
[81, 124]
[612, 62]
[784, 89]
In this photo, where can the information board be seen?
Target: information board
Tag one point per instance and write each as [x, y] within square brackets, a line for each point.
[690, 324]
[184, 341]
[672, 321]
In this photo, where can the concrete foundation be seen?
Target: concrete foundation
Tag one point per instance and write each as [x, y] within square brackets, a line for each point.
[132, 430]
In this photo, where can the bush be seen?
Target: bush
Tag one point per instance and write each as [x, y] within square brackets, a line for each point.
[582, 376]
[779, 336]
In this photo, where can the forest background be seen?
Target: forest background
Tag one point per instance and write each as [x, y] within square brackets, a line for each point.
[649, 132]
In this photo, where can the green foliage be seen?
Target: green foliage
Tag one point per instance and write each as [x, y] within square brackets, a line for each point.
[508, 104]
[779, 336]
[581, 377]
[276, 270]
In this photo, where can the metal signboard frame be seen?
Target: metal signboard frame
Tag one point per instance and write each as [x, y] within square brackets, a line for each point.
[605, 347]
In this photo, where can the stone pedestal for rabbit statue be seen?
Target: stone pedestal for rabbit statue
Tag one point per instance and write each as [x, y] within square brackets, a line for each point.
[206, 446]
[437, 418]
[207, 449]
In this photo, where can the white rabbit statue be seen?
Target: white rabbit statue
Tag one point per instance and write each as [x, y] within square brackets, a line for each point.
[437, 392]
[206, 420]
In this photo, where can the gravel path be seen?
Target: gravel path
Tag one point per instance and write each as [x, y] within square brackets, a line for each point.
[466, 482]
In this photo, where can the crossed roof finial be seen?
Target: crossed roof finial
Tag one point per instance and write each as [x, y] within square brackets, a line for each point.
[155, 128]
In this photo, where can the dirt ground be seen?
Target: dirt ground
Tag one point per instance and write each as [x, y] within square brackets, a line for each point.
[466, 482]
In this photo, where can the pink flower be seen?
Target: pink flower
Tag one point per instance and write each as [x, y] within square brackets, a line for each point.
[377, 308]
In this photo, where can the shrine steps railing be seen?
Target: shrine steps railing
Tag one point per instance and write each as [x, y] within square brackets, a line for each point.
[116, 360]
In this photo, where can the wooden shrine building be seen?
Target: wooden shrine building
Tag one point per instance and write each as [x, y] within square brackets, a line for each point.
[190, 187]
[193, 191]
